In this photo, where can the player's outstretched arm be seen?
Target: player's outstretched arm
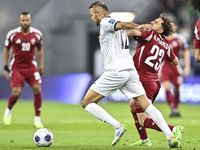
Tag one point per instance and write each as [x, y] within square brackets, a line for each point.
[133, 33]
[6, 56]
[126, 25]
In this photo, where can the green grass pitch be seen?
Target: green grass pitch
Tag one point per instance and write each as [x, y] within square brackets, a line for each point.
[75, 129]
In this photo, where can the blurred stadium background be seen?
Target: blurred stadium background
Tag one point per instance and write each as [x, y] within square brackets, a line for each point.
[72, 58]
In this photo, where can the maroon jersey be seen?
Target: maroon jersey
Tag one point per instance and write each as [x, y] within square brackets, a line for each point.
[151, 51]
[177, 43]
[197, 35]
[23, 47]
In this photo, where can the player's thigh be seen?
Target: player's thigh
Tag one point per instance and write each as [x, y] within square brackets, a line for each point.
[152, 89]
[109, 82]
[133, 87]
[17, 78]
[33, 77]
[166, 85]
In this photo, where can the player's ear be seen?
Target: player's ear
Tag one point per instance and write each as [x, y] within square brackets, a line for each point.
[98, 13]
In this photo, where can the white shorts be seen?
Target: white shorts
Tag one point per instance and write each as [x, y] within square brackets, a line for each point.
[126, 81]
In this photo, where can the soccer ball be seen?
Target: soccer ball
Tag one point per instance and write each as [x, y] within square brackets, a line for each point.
[43, 137]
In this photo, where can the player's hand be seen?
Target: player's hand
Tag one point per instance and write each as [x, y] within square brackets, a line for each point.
[41, 69]
[143, 27]
[186, 72]
[6, 74]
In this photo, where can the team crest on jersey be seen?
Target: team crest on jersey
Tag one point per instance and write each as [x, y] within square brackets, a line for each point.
[112, 21]
[18, 41]
[33, 41]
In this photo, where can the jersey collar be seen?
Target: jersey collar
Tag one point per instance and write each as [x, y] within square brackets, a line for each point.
[19, 29]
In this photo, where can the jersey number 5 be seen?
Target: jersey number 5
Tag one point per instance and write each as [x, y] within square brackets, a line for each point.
[159, 52]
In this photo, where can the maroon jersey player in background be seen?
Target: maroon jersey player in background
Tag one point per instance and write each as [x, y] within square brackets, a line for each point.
[23, 66]
[175, 74]
[151, 51]
[196, 5]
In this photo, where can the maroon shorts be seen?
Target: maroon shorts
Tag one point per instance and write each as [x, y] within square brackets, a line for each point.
[171, 75]
[18, 76]
[152, 88]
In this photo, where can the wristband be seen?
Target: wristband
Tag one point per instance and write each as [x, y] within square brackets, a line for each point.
[6, 68]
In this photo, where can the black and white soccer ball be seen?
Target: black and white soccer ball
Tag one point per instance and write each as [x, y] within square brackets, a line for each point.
[43, 137]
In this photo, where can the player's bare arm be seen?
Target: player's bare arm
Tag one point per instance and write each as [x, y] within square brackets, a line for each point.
[41, 60]
[6, 56]
[133, 33]
[126, 25]
[187, 62]
[175, 61]
[197, 55]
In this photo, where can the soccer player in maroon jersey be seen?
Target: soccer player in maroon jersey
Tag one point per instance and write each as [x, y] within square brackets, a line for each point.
[175, 74]
[151, 51]
[196, 5]
[23, 66]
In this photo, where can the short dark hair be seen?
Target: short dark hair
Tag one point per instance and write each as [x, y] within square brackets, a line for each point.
[167, 26]
[100, 4]
[24, 13]
[195, 4]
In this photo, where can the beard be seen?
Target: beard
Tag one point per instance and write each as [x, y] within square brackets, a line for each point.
[25, 27]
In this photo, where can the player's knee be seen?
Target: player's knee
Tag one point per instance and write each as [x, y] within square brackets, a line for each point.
[84, 104]
[16, 94]
[36, 89]
[131, 105]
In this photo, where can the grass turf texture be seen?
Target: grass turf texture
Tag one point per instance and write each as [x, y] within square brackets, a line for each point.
[73, 128]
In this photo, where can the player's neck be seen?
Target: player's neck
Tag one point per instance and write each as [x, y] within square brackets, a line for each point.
[25, 32]
[170, 37]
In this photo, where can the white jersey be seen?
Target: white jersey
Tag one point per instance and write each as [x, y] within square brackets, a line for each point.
[114, 46]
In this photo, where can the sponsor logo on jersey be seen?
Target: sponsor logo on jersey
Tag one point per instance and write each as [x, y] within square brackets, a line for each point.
[18, 41]
[112, 21]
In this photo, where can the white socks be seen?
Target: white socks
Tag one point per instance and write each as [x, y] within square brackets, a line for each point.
[102, 115]
[37, 119]
[157, 117]
[8, 112]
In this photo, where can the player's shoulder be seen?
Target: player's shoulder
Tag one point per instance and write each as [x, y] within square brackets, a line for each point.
[198, 22]
[13, 31]
[151, 35]
[34, 30]
[108, 20]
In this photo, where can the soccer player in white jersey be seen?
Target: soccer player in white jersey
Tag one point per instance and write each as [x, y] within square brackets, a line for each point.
[119, 73]
[23, 66]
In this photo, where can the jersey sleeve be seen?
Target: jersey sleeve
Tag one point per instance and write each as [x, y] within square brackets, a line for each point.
[170, 55]
[39, 40]
[108, 24]
[145, 36]
[8, 41]
[196, 41]
[40, 43]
